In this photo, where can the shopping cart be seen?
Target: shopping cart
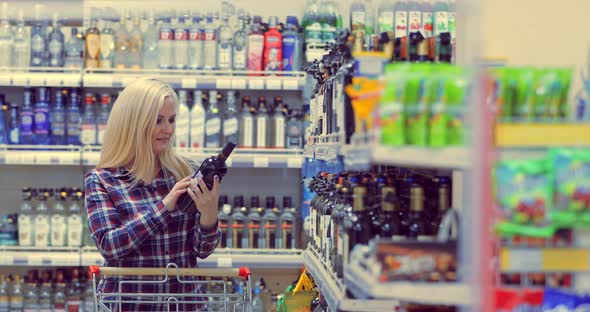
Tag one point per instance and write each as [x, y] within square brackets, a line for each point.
[223, 300]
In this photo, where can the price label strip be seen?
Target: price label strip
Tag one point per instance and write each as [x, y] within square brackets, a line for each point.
[188, 83]
[290, 84]
[223, 84]
[256, 84]
[294, 162]
[238, 84]
[224, 262]
[260, 162]
[274, 84]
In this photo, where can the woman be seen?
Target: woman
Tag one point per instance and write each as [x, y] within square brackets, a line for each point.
[134, 194]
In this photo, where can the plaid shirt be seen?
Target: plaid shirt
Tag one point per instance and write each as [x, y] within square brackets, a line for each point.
[132, 227]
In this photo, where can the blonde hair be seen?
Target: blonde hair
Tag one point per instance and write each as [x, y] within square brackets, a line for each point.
[128, 134]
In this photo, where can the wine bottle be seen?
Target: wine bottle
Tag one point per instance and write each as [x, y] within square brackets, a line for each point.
[211, 167]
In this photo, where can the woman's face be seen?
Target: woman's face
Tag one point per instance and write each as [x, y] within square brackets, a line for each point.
[165, 124]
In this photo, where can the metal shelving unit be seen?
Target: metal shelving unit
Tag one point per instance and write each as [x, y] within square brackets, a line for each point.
[40, 154]
[40, 77]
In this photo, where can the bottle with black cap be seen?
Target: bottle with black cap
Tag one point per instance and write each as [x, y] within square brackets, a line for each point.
[269, 224]
[239, 237]
[224, 220]
[390, 225]
[287, 225]
[417, 228]
[253, 221]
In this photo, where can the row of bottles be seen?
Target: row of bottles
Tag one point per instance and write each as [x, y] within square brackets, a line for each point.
[52, 218]
[252, 126]
[352, 208]
[54, 117]
[60, 290]
[257, 226]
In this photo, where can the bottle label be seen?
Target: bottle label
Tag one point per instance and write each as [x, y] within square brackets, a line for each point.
[37, 43]
[238, 234]
[280, 132]
[25, 237]
[254, 234]
[88, 134]
[14, 136]
[255, 48]
[261, 132]
[26, 123]
[386, 21]
[441, 22]
[197, 129]
[74, 231]
[213, 126]
[273, 59]
[210, 53]
[73, 125]
[289, 46]
[230, 127]
[194, 34]
[92, 46]
[166, 34]
[58, 230]
[107, 45]
[328, 33]
[41, 121]
[58, 124]
[414, 21]
[240, 58]
[427, 24]
[101, 131]
[313, 33]
[248, 131]
[195, 54]
[180, 34]
[41, 231]
[224, 56]
[209, 36]
[55, 51]
[270, 237]
[182, 127]
[401, 24]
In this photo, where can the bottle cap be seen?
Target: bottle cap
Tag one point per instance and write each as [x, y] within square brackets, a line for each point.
[257, 19]
[292, 21]
[287, 202]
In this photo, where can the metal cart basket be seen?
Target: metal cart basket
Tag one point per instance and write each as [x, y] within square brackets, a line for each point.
[221, 299]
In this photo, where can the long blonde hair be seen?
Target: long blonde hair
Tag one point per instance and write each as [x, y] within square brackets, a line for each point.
[128, 134]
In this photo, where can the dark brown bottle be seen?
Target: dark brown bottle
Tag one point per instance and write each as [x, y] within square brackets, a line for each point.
[360, 230]
[442, 200]
[390, 225]
[417, 227]
[238, 217]
[253, 221]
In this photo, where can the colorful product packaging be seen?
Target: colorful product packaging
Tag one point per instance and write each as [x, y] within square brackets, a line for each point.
[557, 300]
[420, 90]
[571, 179]
[391, 109]
[456, 92]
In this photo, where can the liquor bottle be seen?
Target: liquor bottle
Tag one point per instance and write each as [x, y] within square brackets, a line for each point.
[38, 43]
[74, 50]
[103, 116]
[150, 43]
[74, 292]
[269, 226]
[292, 45]
[107, 43]
[240, 41]
[210, 45]
[254, 229]
[195, 43]
[328, 18]
[26, 229]
[74, 120]
[262, 124]
[31, 295]
[181, 42]
[441, 31]
[401, 31]
[213, 123]
[56, 44]
[247, 125]
[6, 37]
[230, 120]
[4, 294]
[224, 220]
[21, 52]
[311, 24]
[58, 120]
[166, 43]
[92, 45]
[414, 29]
[287, 223]
[278, 124]
[13, 124]
[224, 46]
[26, 119]
[213, 166]
[255, 45]
[16, 295]
[198, 115]
[390, 224]
[426, 46]
[135, 59]
[294, 133]
[45, 304]
[74, 222]
[122, 44]
[41, 222]
[360, 221]
[441, 198]
[59, 296]
[238, 225]
[41, 122]
[58, 219]
[183, 121]
[88, 133]
[417, 227]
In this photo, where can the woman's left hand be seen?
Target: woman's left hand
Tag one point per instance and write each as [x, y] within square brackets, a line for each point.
[206, 200]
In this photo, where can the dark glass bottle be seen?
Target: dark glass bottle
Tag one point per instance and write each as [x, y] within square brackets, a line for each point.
[360, 230]
[417, 225]
[254, 223]
[238, 218]
[223, 221]
[390, 225]
[442, 201]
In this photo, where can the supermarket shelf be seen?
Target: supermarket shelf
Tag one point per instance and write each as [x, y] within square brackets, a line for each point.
[40, 154]
[333, 290]
[444, 158]
[198, 79]
[40, 77]
[240, 158]
[362, 285]
[536, 260]
[39, 256]
[542, 135]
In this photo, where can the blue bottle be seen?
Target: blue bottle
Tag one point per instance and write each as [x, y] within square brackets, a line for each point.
[3, 127]
[73, 119]
[56, 44]
[292, 45]
[41, 124]
[26, 119]
[38, 44]
[58, 120]
[13, 124]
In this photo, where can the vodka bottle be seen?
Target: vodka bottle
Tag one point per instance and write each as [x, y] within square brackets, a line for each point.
[165, 44]
[41, 223]
[26, 229]
[230, 120]
[38, 40]
[6, 37]
[58, 219]
[183, 121]
[213, 123]
[150, 44]
[74, 50]
[195, 44]
[56, 44]
[107, 44]
[224, 46]
[22, 45]
[198, 115]
[135, 60]
[181, 42]
[122, 44]
[210, 45]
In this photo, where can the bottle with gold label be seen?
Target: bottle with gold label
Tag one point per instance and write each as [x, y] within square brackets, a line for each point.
[360, 220]
[92, 45]
[417, 228]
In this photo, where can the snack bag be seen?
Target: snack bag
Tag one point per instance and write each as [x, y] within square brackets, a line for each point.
[525, 94]
[506, 300]
[524, 191]
[439, 117]
[391, 109]
[420, 90]
[565, 75]
[457, 88]
[545, 95]
[556, 300]
[571, 179]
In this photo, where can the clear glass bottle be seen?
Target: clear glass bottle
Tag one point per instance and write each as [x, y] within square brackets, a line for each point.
[181, 42]
[287, 226]
[31, 294]
[210, 45]
[41, 223]
[26, 229]
[239, 230]
[278, 124]
[58, 218]
[262, 124]
[253, 223]
[4, 295]
[26, 118]
[135, 59]
[195, 44]
[56, 44]
[165, 44]
[240, 48]
[74, 221]
[74, 50]
[107, 42]
[183, 121]
[38, 40]
[103, 116]
[150, 43]
[74, 119]
[224, 46]
[59, 296]
[269, 225]
[122, 44]
[6, 37]
[45, 296]
[22, 44]
[41, 122]
[58, 120]
[88, 130]
[16, 303]
[213, 122]
[198, 116]
[247, 134]
[230, 120]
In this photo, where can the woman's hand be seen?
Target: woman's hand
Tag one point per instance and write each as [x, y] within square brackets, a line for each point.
[206, 200]
[178, 189]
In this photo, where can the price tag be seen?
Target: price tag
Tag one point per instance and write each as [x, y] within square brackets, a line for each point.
[6, 259]
[290, 84]
[72, 80]
[37, 80]
[20, 80]
[45, 158]
[28, 158]
[53, 81]
[97, 80]
[4, 79]
[46, 261]
[273, 84]
[256, 84]
[127, 80]
[260, 162]
[20, 260]
[188, 83]
[238, 84]
[223, 84]
[294, 162]
[224, 262]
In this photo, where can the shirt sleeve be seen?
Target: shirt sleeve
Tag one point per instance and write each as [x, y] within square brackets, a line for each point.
[185, 202]
[206, 239]
[116, 239]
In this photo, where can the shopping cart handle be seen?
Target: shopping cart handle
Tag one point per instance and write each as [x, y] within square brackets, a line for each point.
[93, 270]
[245, 273]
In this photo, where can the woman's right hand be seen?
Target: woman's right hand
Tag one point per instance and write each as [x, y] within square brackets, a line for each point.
[178, 189]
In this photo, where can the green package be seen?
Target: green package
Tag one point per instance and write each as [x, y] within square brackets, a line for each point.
[571, 179]
[565, 75]
[439, 117]
[502, 89]
[391, 108]
[456, 92]
[524, 191]
[525, 94]
[544, 95]
[420, 89]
